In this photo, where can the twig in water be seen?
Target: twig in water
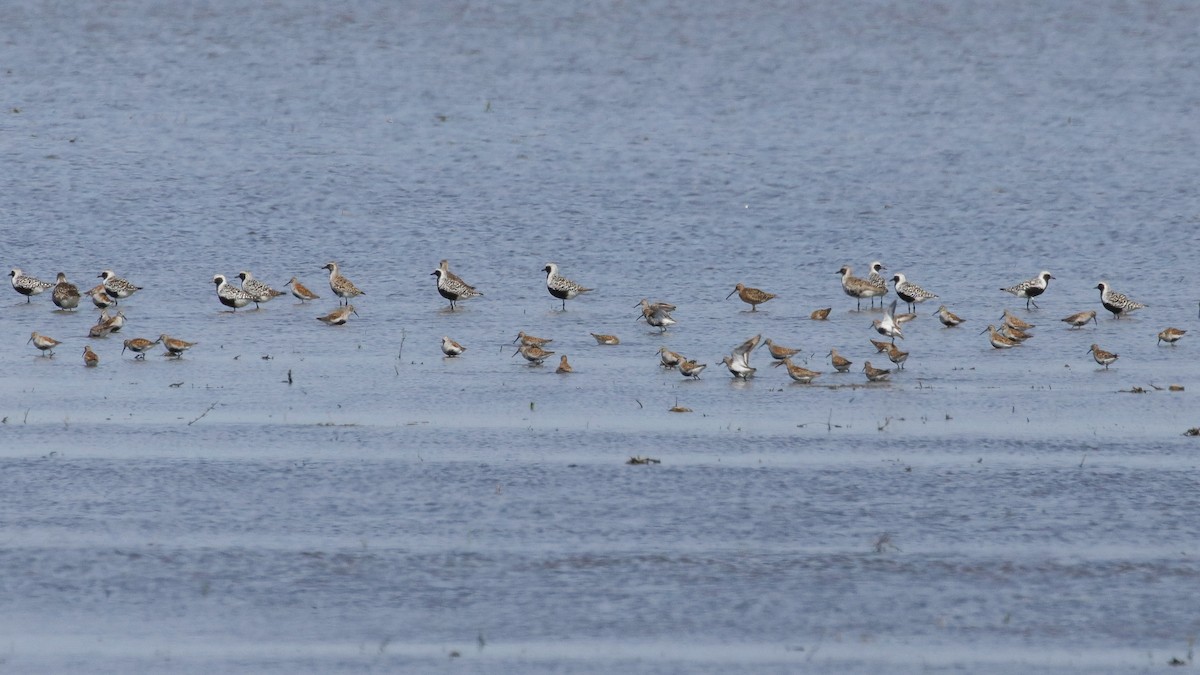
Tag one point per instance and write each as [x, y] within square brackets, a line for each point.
[206, 411]
[400, 354]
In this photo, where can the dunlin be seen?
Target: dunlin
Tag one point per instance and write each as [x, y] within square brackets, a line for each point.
[175, 346]
[602, 339]
[887, 326]
[1170, 335]
[563, 366]
[44, 343]
[658, 314]
[668, 358]
[779, 352]
[451, 348]
[561, 287]
[820, 314]
[100, 297]
[300, 291]
[1031, 289]
[1081, 318]
[139, 346]
[339, 316]
[798, 373]
[532, 340]
[533, 354]
[840, 363]
[691, 369]
[1102, 357]
[1015, 321]
[949, 319]
[752, 296]
[90, 358]
[998, 340]
[896, 356]
[875, 374]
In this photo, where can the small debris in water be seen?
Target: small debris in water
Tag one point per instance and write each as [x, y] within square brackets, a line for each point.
[679, 409]
[1194, 431]
[636, 459]
[1175, 387]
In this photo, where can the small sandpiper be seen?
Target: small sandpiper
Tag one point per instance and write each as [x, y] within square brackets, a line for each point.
[451, 348]
[113, 323]
[66, 294]
[138, 345]
[910, 292]
[451, 287]
[841, 363]
[90, 358]
[691, 369]
[102, 327]
[1015, 321]
[44, 343]
[798, 373]
[1170, 335]
[602, 339]
[998, 340]
[658, 314]
[949, 319]
[230, 295]
[1102, 357]
[739, 368]
[880, 346]
[820, 314]
[1013, 333]
[27, 285]
[339, 316]
[1115, 302]
[116, 287]
[875, 374]
[532, 340]
[100, 297]
[175, 346]
[563, 366]
[340, 285]
[561, 287]
[300, 291]
[1079, 319]
[1031, 289]
[533, 354]
[256, 289]
[887, 326]
[752, 296]
[858, 288]
[896, 356]
[668, 358]
[779, 352]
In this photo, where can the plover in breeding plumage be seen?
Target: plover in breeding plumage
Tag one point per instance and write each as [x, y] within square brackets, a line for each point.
[668, 358]
[820, 314]
[27, 285]
[1031, 289]
[751, 296]
[340, 285]
[563, 366]
[875, 374]
[300, 291]
[779, 352]
[533, 354]
[1170, 335]
[602, 339]
[1102, 357]
[858, 288]
[1081, 318]
[100, 297]
[44, 343]
[896, 356]
[175, 346]
[691, 369]
[998, 340]
[887, 326]
[230, 295]
[451, 348]
[798, 373]
[256, 289]
[339, 316]
[532, 340]
[1115, 302]
[910, 292]
[657, 314]
[840, 363]
[561, 287]
[116, 287]
[138, 345]
[949, 319]
[876, 279]
[66, 294]
[451, 287]
[1015, 321]
[90, 358]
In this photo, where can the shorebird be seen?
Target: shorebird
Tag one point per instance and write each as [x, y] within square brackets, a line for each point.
[691, 369]
[300, 291]
[602, 339]
[90, 358]
[340, 285]
[27, 285]
[339, 316]
[175, 346]
[530, 340]
[1115, 302]
[102, 327]
[840, 363]
[533, 354]
[100, 297]
[230, 295]
[877, 280]
[779, 352]
[1015, 321]
[875, 374]
[257, 290]
[998, 340]
[798, 373]
[1031, 289]
[44, 343]
[738, 362]
[880, 345]
[563, 366]
[1170, 335]
[561, 287]
[113, 323]
[820, 314]
[668, 358]
[887, 326]
[752, 296]
[896, 356]
[738, 368]
[1013, 333]
[138, 345]
[858, 288]
[116, 287]
[450, 286]
[1081, 318]
[451, 348]
[949, 319]
[1102, 357]
[910, 292]
[66, 294]
[657, 314]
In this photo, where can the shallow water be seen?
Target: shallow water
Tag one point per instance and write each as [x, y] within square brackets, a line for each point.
[986, 511]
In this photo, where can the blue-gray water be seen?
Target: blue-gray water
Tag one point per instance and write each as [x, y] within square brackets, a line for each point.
[389, 510]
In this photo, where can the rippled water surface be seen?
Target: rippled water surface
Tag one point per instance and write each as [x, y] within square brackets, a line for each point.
[291, 497]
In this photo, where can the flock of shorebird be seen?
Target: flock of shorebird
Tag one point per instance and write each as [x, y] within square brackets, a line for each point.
[1011, 332]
